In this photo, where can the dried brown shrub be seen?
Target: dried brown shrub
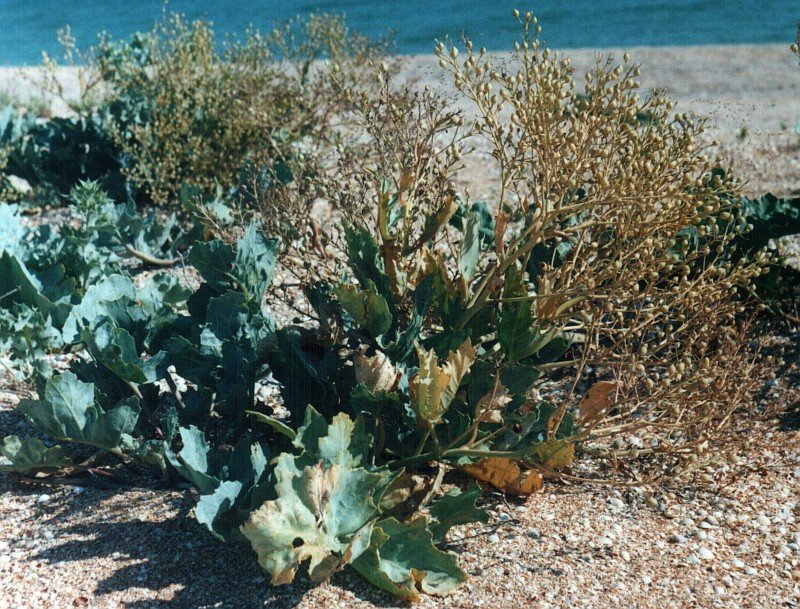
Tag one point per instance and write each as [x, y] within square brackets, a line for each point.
[642, 217]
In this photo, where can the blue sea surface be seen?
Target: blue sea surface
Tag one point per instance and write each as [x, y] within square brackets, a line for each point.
[27, 27]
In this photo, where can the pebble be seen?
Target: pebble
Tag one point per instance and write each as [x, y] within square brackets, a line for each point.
[750, 570]
[43, 498]
[625, 556]
[617, 504]
[677, 538]
[701, 535]
[705, 554]
[727, 580]
[78, 490]
[762, 521]
[494, 538]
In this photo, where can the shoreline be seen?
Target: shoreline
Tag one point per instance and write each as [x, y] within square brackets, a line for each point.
[684, 71]
[749, 94]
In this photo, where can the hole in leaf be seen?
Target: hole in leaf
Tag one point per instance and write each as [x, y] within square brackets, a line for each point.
[297, 542]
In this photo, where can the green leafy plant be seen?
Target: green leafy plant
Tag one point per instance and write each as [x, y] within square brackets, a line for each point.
[57, 153]
[595, 299]
[46, 273]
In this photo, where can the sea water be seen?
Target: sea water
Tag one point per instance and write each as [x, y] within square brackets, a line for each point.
[27, 27]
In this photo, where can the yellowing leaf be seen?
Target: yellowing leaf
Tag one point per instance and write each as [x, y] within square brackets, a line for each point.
[376, 373]
[597, 399]
[321, 515]
[457, 366]
[433, 389]
[427, 387]
[505, 475]
[369, 309]
[555, 454]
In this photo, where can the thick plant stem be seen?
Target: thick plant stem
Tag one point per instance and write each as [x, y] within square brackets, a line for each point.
[152, 260]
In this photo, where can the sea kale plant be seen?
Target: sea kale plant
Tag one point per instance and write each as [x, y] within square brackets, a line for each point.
[592, 308]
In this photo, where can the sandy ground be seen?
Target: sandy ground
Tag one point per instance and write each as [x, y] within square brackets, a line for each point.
[731, 541]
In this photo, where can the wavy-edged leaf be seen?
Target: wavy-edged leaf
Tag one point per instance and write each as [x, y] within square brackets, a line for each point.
[115, 297]
[216, 506]
[193, 462]
[366, 262]
[68, 412]
[115, 348]
[434, 387]
[376, 373]
[255, 261]
[342, 442]
[458, 365]
[402, 560]
[453, 508]
[28, 455]
[317, 516]
[214, 261]
[428, 386]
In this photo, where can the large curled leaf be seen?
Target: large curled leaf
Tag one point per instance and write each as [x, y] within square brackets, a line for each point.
[214, 261]
[215, 506]
[458, 365]
[377, 373]
[520, 334]
[193, 462]
[69, 412]
[367, 264]
[232, 483]
[30, 455]
[402, 560]
[318, 515]
[17, 285]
